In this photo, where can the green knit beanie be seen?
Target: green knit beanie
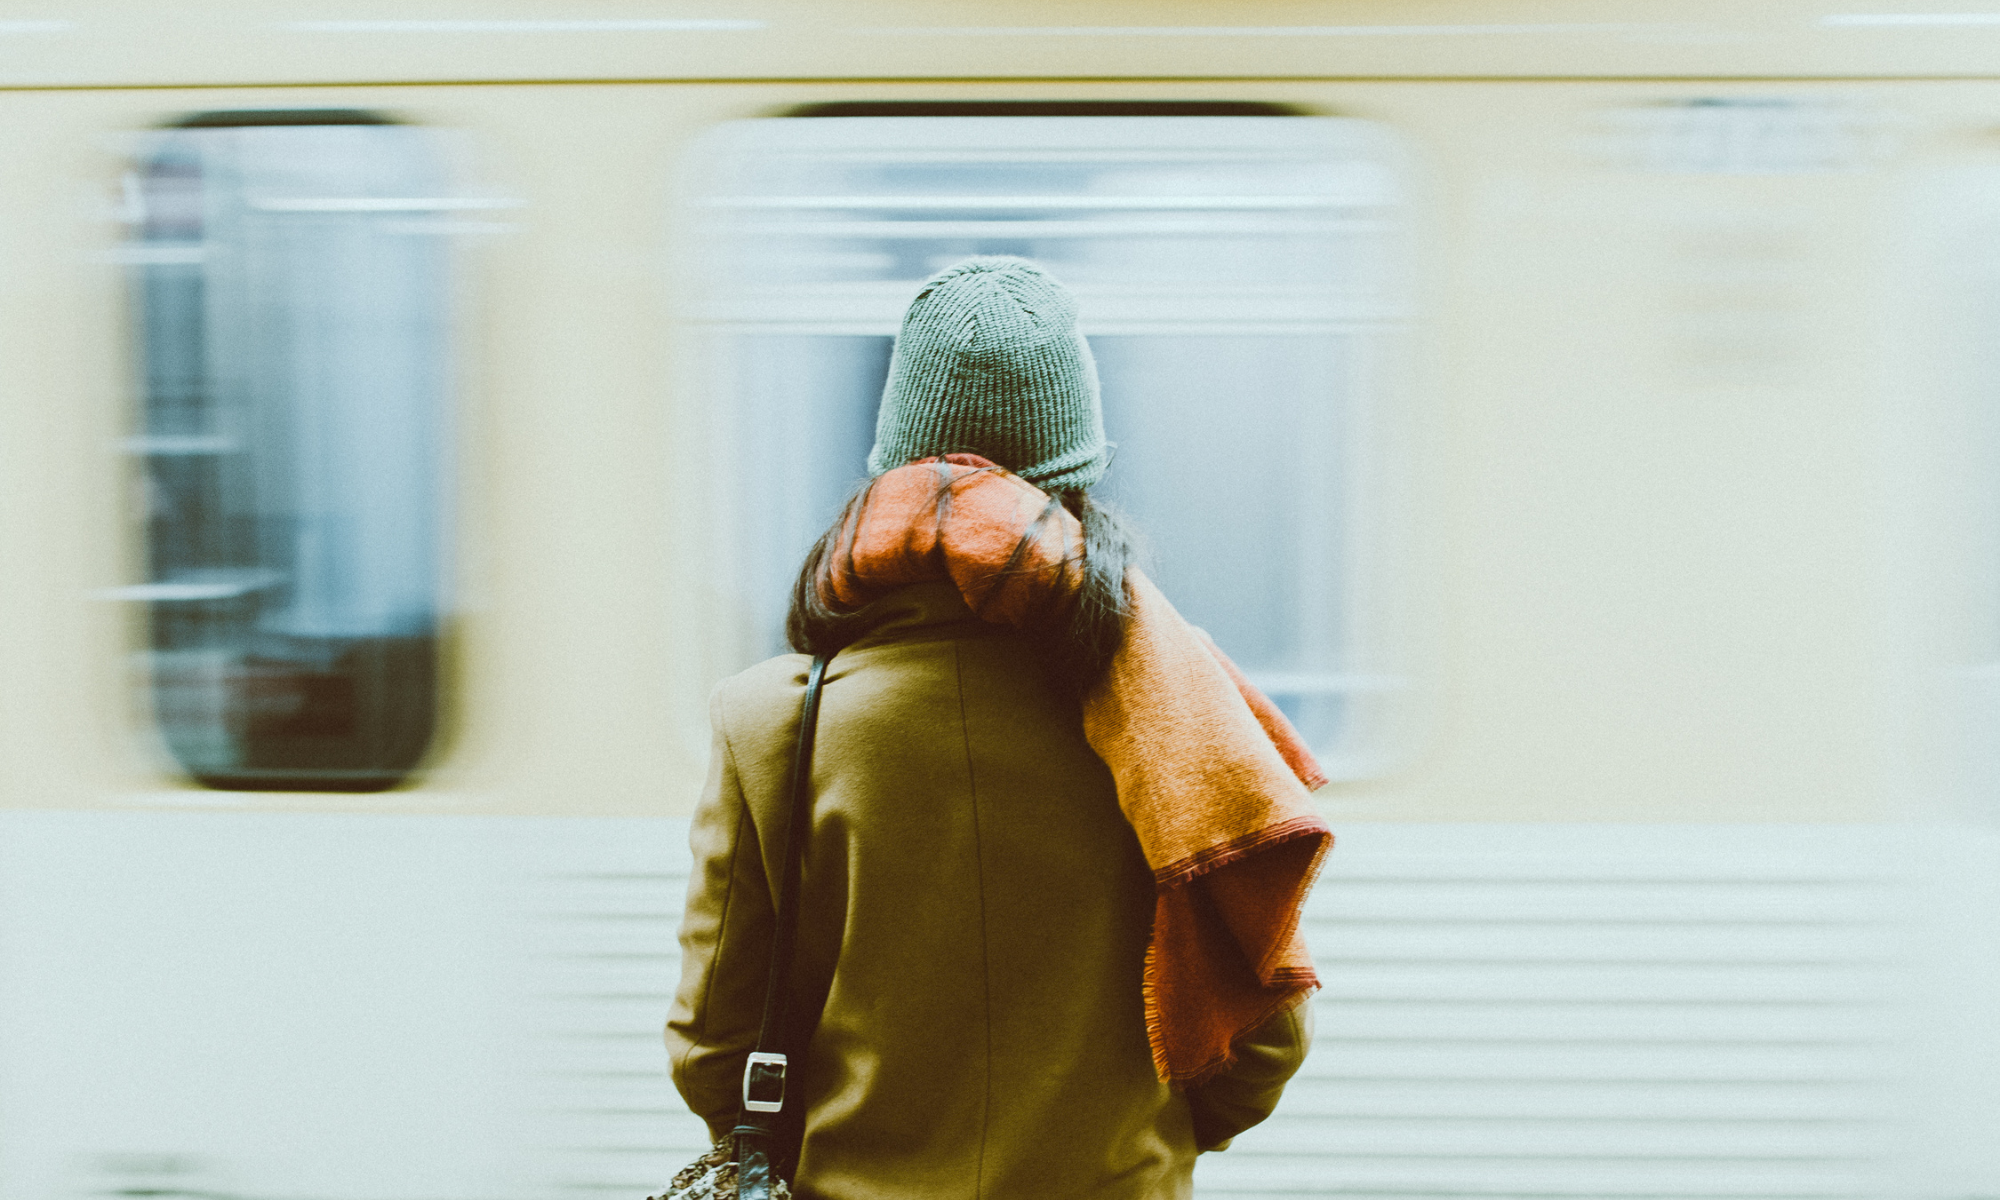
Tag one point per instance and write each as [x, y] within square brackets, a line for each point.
[989, 362]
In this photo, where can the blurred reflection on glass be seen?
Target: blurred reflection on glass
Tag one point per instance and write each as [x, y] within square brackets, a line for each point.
[293, 325]
[1238, 279]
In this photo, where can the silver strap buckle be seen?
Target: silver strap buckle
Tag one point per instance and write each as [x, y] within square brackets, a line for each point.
[764, 1083]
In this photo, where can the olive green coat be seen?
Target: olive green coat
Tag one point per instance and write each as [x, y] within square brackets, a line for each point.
[974, 921]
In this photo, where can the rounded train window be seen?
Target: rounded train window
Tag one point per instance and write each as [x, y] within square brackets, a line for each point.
[1242, 281]
[291, 444]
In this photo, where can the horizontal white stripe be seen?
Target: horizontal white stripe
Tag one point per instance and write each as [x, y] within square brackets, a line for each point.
[1567, 27]
[1169, 227]
[375, 204]
[923, 203]
[227, 587]
[1250, 327]
[632, 25]
[1907, 20]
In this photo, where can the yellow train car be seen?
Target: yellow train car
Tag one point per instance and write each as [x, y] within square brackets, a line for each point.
[1580, 417]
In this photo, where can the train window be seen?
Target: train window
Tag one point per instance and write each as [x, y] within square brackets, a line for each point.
[290, 449]
[1241, 283]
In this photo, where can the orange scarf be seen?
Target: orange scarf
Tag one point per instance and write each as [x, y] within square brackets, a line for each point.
[1211, 775]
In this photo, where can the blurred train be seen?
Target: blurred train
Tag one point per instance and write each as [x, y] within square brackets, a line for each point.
[1583, 418]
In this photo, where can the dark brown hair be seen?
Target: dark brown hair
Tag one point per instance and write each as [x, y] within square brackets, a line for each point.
[1078, 629]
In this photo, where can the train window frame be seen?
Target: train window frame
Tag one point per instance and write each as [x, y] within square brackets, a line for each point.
[331, 678]
[1365, 498]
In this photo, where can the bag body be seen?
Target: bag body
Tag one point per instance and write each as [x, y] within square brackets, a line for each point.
[713, 1176]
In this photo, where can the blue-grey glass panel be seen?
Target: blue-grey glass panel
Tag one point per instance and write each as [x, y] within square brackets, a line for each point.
[802, 423]
[294, 325]
[1226, 449]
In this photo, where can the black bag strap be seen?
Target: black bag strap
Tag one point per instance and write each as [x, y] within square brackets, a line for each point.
[764, 1074]
[777, 995]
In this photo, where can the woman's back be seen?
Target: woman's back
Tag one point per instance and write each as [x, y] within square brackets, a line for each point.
[975, 916]
[1003, 955]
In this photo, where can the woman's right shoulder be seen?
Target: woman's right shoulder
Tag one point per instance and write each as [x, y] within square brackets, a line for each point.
[760, 695]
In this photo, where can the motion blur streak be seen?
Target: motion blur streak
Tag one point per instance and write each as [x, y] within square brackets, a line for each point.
[1581, 417]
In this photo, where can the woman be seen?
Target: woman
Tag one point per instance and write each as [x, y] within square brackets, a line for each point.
[1047, 943]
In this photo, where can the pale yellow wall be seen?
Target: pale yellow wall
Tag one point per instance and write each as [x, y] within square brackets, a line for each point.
[140, 42]
[1639, 593]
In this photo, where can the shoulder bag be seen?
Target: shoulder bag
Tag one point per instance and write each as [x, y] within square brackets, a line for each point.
[739, 1166]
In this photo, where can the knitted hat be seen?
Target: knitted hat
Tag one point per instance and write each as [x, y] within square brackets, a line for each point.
[989, 362]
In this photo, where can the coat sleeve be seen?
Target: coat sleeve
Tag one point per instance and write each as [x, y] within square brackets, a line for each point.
[725, 943]
[1246, 1093]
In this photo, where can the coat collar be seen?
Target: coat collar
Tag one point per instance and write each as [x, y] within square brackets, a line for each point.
[922, 612]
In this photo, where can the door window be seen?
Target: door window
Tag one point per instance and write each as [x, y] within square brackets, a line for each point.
[1240, 280]
[292, 314]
